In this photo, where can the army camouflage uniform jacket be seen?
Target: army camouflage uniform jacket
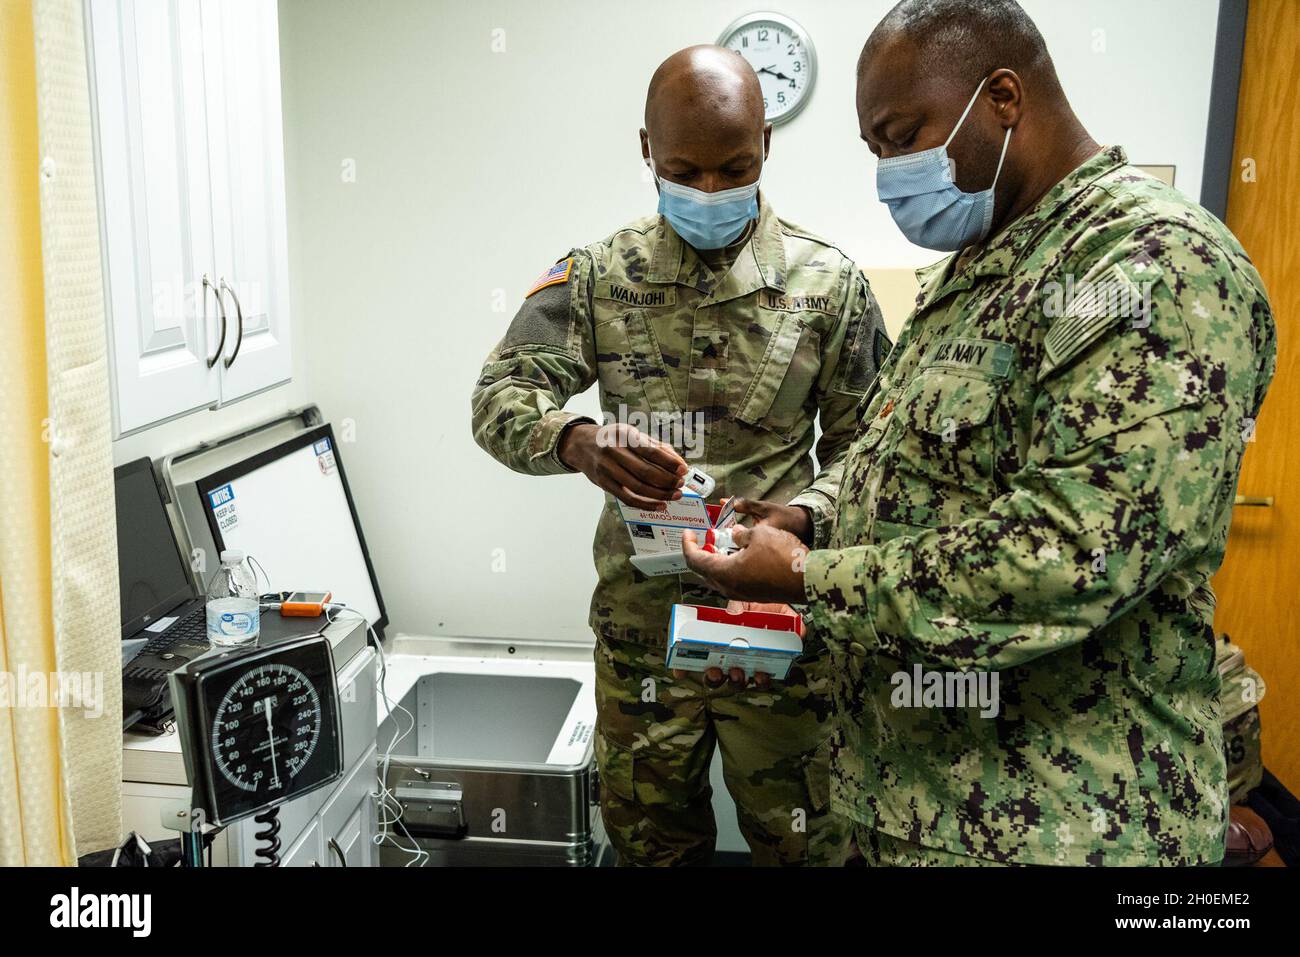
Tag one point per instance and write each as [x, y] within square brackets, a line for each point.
[1041, 487]
[750, 359]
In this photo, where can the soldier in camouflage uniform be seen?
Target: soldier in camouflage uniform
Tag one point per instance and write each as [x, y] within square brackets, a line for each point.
[1040, 487]
[753, 342]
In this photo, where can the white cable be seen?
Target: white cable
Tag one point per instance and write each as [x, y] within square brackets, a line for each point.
[388, 800]
[384, 796]
[389, 808]
[387, 797]
[259, 570]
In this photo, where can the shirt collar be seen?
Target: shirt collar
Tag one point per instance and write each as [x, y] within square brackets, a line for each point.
[1003, 251]
[761, 263]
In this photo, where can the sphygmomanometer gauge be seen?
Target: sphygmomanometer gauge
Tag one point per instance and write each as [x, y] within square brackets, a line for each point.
[266, 728]
[259, 726]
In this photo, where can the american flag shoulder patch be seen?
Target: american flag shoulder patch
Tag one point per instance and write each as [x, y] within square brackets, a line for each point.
[557, 275]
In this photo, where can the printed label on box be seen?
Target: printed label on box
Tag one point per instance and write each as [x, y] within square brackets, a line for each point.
[700, 638]
[660, 533]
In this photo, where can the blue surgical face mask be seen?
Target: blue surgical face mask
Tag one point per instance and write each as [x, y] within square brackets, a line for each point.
[925, 202]
[707, 220]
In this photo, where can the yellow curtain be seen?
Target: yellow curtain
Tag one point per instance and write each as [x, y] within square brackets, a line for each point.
[35, 822]
[60, 687]
[83, 522]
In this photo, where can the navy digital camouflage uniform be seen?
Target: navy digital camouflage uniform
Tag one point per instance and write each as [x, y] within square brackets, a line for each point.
[1041, 486]
[755, 353]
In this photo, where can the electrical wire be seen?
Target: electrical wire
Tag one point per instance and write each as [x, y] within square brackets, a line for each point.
[390, 810]
[268, 850]
[259, 570]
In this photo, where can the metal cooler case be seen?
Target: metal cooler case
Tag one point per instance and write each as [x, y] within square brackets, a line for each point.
[498, 768]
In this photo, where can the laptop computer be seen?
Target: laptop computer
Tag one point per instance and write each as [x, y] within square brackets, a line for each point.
[162, 609]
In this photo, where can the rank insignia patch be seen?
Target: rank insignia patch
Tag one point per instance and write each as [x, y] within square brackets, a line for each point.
[557, 275]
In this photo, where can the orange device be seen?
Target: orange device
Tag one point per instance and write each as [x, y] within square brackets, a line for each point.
[305, 604]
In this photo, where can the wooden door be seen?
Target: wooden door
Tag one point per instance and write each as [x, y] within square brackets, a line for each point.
[1259, 584]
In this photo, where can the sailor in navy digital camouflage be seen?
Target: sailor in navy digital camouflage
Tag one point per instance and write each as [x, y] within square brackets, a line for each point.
[755, 342]
[1041, 486]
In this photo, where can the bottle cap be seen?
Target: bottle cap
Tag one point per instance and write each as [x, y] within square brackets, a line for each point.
[232, 556]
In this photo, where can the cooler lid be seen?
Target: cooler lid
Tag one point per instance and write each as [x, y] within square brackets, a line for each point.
[492, 712]
[182, 470]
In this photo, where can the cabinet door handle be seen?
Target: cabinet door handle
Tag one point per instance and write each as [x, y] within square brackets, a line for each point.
[221, 308]
[1253, 501]
[338, 851]
[239, 321]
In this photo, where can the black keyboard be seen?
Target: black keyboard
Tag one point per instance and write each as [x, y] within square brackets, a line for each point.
[192, 629]
[146, 698]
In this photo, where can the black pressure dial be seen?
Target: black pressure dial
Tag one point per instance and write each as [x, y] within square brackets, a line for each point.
[259, 726]
[266, 728]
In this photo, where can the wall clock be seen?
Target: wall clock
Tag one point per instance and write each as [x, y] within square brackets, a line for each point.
[782, 55]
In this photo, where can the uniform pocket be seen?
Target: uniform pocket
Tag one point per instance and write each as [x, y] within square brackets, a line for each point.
[947, 407]
[496, 371]
[1101, 403]
[616, 769]
[782, 389]
[939, 467]
[651, 780]
[817, 778]
[630, 365]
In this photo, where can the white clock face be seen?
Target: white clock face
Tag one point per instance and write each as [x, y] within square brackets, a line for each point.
[781, 55]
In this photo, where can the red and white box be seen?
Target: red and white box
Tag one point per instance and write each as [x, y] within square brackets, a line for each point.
[700, 638]
[657, 536]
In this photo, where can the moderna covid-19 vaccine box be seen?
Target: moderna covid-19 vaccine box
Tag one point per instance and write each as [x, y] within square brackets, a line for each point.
[657, 536]
[700, 638]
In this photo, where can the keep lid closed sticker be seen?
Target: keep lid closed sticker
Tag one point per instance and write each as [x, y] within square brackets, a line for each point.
[222, 501]
[325, 457]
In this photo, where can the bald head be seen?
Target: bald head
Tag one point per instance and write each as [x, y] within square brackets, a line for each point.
[704, 122]
[706, 83]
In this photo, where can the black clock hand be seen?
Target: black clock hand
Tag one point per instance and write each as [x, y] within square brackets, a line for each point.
[779, 76]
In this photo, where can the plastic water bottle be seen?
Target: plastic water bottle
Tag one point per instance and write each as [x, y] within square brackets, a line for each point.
[233, 614]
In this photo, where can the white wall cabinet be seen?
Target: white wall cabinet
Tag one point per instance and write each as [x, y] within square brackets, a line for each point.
[349, 819]
[342, 835]
[189, 144]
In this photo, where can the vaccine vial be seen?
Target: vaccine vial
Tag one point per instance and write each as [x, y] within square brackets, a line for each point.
[719, 540]
[699, 482]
